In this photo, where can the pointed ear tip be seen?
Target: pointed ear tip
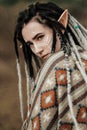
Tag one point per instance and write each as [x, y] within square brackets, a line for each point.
[66, 10]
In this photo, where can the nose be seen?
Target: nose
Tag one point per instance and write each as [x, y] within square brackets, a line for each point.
[38, 48]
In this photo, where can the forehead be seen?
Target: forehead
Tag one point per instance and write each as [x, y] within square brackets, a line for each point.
[32, 28]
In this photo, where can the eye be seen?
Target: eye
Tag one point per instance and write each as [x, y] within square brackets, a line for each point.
[29, 44]
[39, 38]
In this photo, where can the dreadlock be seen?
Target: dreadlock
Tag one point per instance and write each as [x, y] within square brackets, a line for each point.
[48, 14]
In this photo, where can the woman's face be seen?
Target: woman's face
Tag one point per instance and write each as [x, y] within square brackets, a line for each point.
[39, 37]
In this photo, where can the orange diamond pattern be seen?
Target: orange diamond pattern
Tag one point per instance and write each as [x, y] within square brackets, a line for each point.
[61, 77]
[66, 126]
[36, 123]
[85, 63]
[48, 99]
[82, 115]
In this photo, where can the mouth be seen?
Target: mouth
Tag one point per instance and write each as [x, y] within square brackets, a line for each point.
[45, 56]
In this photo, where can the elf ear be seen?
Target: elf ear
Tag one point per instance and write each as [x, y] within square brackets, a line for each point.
[63, 19]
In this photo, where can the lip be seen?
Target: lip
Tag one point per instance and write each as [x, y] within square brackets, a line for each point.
[45, 56]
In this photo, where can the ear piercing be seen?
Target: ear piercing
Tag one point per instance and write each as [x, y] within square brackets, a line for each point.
[20, 46]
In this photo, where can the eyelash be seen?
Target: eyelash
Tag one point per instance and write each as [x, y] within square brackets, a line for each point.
[30, 43]
[41, 36]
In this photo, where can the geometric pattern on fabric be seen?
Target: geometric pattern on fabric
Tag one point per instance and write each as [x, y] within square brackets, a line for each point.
[61, 77]
[36, 123]
[66, 126]
[48, 99]
[52, 103]
[82, 115]
[48, 118]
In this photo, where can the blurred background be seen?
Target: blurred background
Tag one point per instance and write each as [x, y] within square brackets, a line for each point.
[9, 100]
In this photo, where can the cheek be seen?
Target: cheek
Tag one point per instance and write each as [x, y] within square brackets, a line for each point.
[48, 48]
[48, 41]
[48, 45]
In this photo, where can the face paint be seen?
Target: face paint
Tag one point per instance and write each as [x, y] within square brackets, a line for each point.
[39, 37]
[41, 44]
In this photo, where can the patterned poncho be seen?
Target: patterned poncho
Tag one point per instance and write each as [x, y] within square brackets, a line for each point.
[49, 101]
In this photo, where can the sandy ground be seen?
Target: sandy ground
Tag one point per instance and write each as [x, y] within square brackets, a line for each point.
[9, 102]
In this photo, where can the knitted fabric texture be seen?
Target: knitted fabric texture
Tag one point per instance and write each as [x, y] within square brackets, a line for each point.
[49, 101]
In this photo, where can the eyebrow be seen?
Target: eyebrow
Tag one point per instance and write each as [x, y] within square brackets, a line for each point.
[36, 36]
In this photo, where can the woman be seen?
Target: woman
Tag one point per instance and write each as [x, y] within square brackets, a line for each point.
[54, 45]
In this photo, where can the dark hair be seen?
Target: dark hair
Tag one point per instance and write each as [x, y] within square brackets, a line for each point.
[45, 13]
